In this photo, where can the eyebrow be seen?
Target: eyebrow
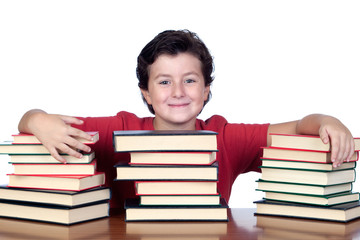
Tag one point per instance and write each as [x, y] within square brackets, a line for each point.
[168, 75]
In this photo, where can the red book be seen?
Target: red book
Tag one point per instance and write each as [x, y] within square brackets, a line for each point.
[304, 142]
[24, 138]
[57, 182]
[55, 169]
[176, 187]
[172, 158]
[300, 155]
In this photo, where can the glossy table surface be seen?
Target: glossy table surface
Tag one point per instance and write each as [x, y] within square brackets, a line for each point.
[242, 224]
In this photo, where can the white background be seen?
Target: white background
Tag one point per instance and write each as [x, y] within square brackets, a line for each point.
[275, 61]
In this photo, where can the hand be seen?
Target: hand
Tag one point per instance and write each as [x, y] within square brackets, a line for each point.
[341, 141]
[57, 135]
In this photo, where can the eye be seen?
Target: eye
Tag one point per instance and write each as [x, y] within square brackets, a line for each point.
[164, 82]
[189, 80]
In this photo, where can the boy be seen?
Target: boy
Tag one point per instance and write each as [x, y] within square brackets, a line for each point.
[175, 74]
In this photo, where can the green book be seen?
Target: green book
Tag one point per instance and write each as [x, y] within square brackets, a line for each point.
[315, 177]
[318, 190]
[327, 200]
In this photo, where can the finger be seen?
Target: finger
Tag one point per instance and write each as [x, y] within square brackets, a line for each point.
[352, 150]
[68, 150]
[71, 120]
[335, 152]
[324, 136]
[80, 134]
[77, 145]
[54, 153]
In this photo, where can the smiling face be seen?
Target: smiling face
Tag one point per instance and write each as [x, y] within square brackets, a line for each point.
[176, 91]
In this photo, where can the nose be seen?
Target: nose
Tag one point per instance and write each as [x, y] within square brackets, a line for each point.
[178, 90]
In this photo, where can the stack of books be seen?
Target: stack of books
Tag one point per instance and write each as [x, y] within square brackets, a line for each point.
[299, 180]
[175, 175]
[43, 189]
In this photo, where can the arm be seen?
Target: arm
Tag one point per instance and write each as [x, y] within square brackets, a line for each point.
[55, 132]
[328, 128]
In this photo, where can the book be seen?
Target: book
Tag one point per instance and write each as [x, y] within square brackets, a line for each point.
[179, 199]
[136, 212]
[303, 188]
[55, 169]
[176, 188]
[54, 214]
[341, 212]
[275, 163]
[305, 142]
[10, 148]
[166, 158]
[164, 140]
[47, 158]
[166, 172]
[327, 200]
[57, 182]
[64, 198]
[308, 176]
[25, 138]
[300, 155]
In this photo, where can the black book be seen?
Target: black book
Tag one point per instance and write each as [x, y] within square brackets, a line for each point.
[54, 214]
[162, 140]
[55, 197]
[340, 213]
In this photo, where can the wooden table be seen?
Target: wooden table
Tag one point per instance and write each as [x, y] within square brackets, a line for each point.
[242, 225]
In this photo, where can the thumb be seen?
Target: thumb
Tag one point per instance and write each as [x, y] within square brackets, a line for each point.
[71, 120]
[324, 136]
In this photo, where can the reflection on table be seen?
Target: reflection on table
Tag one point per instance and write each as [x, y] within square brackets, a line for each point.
[242, 224]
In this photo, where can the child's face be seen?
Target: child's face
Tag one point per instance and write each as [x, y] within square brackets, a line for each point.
[176, 90]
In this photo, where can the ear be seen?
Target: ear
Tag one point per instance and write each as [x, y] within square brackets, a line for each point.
[206, 93]
[146, 95]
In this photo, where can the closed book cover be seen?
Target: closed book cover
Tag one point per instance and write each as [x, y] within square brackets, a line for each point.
[304, 142]
[176, 188]
[25, 138]
[279, 163]
[164, 140]
[327, 200]
[55, 169]
[300, 155]
[180, 199]
[48, 159]
[136, 212]
[10, 148]
[57, 182]
[125, 171]
[312, 189]
[308, 176]
[54, 214]
[54, 197]
[177, 158]
[341, 212]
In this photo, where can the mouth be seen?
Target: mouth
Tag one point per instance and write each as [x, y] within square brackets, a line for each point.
[179, 105]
